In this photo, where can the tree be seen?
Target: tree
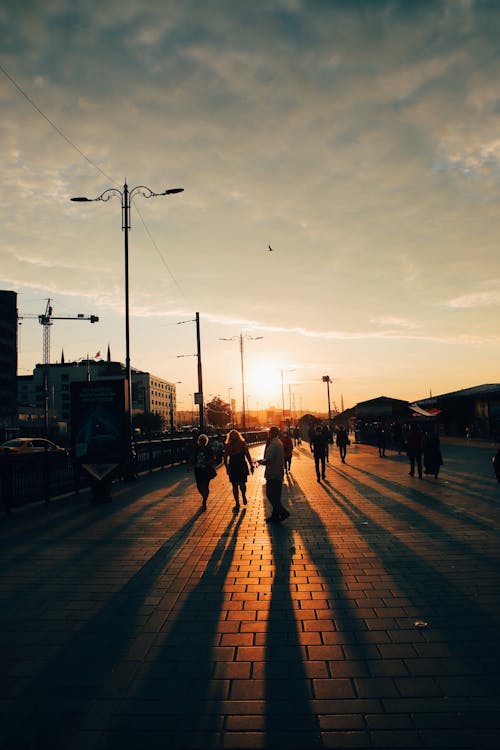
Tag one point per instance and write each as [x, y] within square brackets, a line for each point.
[218, 413]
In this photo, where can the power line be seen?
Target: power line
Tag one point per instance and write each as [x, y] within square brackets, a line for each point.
[93, 164]
[160, 255]
[58, 130]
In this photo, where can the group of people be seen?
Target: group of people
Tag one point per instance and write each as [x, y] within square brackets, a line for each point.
[319, 444]
[239, 465]
[277, 461]
[423, 446]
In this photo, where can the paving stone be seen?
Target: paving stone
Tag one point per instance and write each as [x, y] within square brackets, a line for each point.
[368, 619]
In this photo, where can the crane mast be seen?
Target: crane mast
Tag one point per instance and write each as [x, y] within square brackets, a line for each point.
[45, 320]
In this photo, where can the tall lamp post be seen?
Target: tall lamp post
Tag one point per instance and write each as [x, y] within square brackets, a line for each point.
[283, 393]
[241, 337]
[230, 407]
[126, 195]
[326, 379]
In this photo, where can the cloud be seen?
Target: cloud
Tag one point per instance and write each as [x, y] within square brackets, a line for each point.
[359, 139]
[395, 322]
[486, 298]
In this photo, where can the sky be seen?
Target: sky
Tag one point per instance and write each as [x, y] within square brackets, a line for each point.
[359, 139]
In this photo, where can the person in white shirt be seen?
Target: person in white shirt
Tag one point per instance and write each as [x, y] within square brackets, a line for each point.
[274, 462]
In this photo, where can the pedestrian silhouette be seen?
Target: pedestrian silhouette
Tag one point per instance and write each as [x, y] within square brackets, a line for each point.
[342, 441]
[433, 460]
[274, 461]
[319, 447]
[414, 448]
[288, 449]
[203, 467]
[238, 463]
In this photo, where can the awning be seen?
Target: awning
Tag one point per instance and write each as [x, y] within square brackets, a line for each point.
[419, 412]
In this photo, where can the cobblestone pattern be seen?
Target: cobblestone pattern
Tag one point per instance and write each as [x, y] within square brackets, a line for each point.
[369, 619]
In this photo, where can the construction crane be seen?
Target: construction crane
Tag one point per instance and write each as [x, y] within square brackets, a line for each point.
[46, 319]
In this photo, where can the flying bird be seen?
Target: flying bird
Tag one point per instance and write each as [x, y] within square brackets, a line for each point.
[270, 248]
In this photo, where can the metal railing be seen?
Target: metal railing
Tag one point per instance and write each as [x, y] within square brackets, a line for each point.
[36, 477]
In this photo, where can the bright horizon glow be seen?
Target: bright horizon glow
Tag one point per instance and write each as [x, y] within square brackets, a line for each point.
[263, 383]
[358, 140]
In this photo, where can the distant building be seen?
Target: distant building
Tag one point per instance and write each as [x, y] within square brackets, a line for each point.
[48, 391]
[8, 358]
[476, 409]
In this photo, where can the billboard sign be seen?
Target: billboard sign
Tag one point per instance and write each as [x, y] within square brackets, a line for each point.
[99, 425]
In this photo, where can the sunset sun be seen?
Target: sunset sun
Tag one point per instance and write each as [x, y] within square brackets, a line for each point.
[263, 382]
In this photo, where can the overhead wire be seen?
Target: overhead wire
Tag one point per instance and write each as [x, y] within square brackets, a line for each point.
[52, 124]
[93, 164]
[160, 255]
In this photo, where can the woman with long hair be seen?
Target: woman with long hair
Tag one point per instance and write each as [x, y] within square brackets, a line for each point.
[204, 471]
[238, 463]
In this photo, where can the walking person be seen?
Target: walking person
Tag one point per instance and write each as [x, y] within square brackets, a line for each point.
[381, 440]
[274, 461]
[203, 467]
[342, 441]
[296, 436]
[433, 460]
[319, 447]
[288, 449]
[414, 448]
[238, 463]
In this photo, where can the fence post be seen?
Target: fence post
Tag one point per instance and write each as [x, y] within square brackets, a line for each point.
[7, 484]
[46, 476]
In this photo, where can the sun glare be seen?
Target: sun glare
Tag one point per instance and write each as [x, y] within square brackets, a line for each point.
[263, 382]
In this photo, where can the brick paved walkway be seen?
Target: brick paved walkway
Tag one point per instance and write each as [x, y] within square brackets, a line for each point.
[369, 619]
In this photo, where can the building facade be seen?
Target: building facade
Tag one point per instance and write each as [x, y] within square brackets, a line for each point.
[48, 392]
[8, 359]
[474, 411]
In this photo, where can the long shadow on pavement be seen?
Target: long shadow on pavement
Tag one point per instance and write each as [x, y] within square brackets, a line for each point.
[176, 700]
[289, 719]
[22, 530]
[54, 703]
[88, 520]
[348, 643]
[469, 632]
[429, 500]
[414, 518]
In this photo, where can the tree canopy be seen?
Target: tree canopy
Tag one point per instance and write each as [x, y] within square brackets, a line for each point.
[218, 413]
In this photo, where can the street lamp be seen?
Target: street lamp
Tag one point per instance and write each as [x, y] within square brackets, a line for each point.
[126, 197]
[250, 338]
[326, 379]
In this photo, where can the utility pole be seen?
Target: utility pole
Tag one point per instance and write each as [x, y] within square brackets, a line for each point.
[241, 338]
[199, 396]
[200, 376]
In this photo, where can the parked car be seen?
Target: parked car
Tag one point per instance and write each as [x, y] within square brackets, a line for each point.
[32, 445]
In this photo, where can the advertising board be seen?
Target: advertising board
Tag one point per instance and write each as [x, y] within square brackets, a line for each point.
[99, 425]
